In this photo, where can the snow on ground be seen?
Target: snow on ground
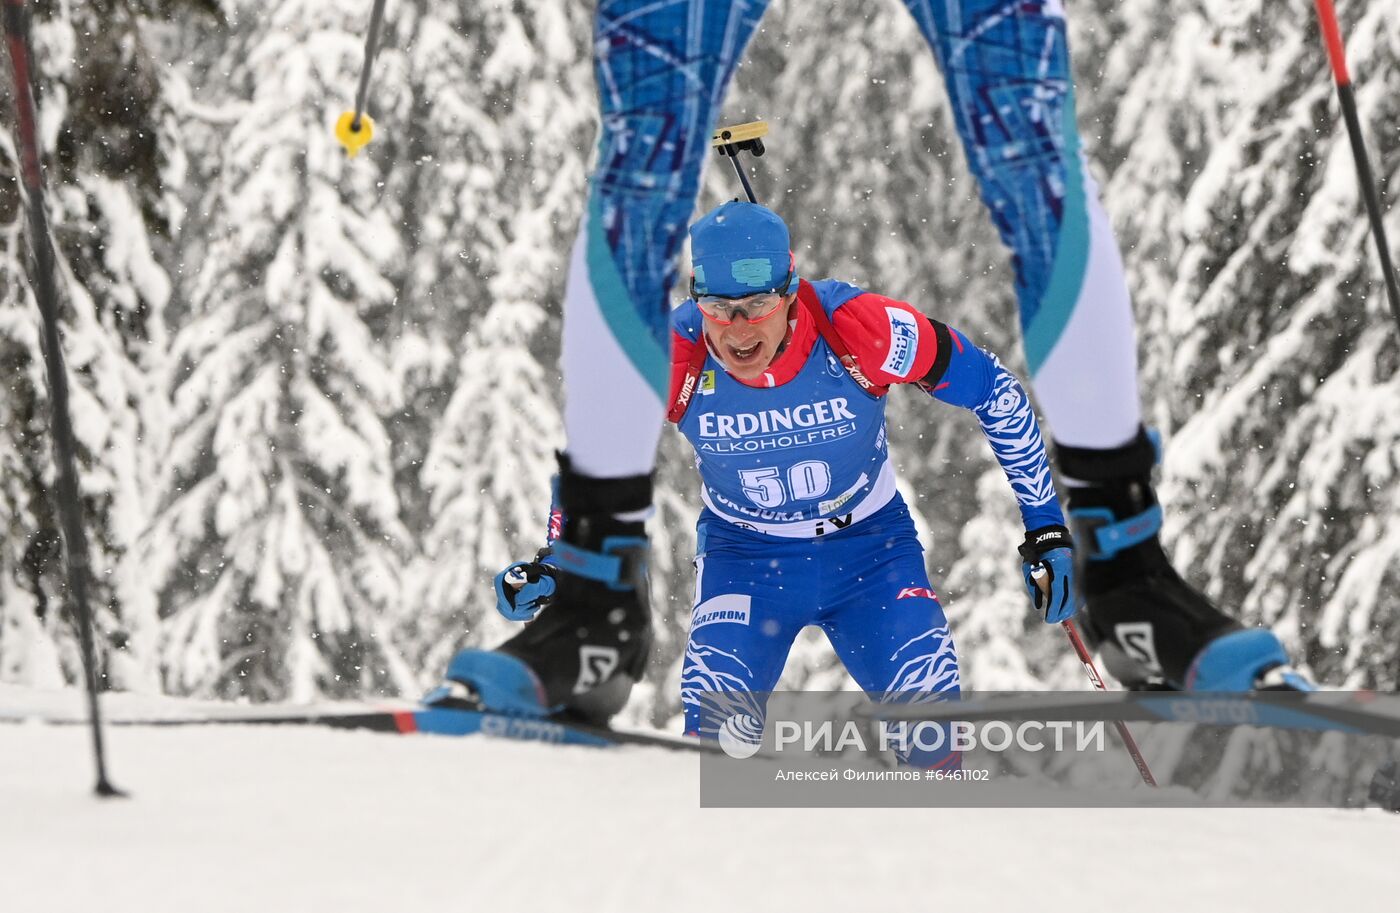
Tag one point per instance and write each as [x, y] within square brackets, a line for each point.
[287, 819]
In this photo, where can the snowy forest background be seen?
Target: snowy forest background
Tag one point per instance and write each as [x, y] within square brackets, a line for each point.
[317, 398]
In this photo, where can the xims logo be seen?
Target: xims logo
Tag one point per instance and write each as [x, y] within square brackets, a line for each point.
[754, 272]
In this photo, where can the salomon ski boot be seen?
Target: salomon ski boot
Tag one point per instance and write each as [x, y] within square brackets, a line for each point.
[1153, 629]
[590, 642]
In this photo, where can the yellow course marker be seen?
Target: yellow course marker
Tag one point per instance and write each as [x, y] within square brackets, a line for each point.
[352, 139]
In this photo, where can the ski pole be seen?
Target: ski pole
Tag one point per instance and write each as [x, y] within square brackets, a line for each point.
[1042, 580]
[1123, 732]
[1336, 54]
[355, 128]
[730, 141]
[61, 424]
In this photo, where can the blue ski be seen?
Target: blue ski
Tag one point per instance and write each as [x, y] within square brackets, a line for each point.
[440, 721]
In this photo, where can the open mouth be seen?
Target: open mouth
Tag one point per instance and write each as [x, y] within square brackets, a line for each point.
[744, 353]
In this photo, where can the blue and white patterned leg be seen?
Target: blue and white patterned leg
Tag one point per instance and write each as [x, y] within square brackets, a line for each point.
[662, 69]
[1006, 66]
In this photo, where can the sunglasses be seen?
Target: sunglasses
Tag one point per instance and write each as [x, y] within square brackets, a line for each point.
[753, 308]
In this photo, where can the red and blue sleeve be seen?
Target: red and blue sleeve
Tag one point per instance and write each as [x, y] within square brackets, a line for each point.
[896, 344]
[893, 342]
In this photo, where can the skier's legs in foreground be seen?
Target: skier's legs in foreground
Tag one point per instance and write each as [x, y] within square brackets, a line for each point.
[661, 72]
[1006, 66]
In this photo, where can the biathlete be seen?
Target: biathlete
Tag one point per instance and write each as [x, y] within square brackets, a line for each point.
[779, 385]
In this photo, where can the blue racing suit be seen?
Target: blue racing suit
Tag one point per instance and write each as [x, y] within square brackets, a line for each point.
[802, 523]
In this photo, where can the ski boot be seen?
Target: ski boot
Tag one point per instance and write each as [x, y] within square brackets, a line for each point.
[1153, 629]
[589, 644]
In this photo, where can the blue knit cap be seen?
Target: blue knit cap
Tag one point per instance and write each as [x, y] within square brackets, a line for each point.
[740, 249]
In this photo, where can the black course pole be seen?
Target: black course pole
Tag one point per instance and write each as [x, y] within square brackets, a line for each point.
[354, 129]
[46, 293]
[376, 18]
[1336, 53]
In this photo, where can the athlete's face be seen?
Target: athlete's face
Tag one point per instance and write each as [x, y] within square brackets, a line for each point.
[747, 349]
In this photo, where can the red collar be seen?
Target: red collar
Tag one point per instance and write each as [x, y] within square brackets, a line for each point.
[802, 335]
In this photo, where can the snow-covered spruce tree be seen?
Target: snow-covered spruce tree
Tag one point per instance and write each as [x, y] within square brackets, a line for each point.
[1270, 357]
[279, 551]
[112, 164]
